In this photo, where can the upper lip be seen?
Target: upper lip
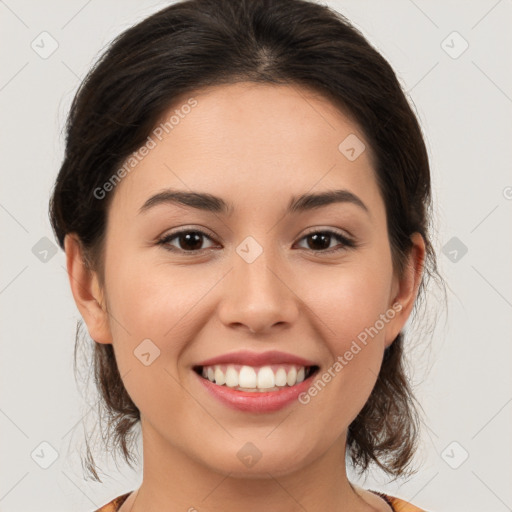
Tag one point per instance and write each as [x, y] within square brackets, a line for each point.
[245, 357]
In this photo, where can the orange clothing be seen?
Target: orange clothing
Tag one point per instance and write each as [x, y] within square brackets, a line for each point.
[396, 504]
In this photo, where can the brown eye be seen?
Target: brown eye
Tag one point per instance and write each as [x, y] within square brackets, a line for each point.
[320, 241]
[187, 240]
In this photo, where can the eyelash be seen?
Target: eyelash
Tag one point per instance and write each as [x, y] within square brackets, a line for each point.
[347, 243]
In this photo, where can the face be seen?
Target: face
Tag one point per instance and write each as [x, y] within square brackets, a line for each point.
[255, 285]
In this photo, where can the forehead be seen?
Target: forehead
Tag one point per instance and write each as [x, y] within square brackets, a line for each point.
[248, 140]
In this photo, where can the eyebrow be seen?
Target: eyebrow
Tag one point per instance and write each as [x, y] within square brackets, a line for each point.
[214, 204]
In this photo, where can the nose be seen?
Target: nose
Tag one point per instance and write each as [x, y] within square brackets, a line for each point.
[258, 297]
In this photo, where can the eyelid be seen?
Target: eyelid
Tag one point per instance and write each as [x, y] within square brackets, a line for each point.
[187, 229]
[206, 231]
[320, 229]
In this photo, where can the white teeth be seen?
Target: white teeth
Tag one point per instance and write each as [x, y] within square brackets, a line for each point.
[231, 377]
[247, 378]
[219, 377]
[266, 378]
[291, 378]
[281, 377]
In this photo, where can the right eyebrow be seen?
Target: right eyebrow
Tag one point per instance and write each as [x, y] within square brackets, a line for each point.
[198, 200]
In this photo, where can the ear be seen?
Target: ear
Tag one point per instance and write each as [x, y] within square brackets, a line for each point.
[405, 289]
[86, 291]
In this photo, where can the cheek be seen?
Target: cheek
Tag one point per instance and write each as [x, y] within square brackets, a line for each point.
[152, 300]
[350, 303]
[159, 303]
[355, 345]
[151, 326]
[349, 300]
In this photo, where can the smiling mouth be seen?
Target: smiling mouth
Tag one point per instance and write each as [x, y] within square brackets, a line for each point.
[256, 379]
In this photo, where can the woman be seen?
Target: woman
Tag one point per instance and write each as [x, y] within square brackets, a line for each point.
[244, 206]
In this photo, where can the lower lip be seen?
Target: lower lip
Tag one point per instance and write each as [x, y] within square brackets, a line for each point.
[258, 401]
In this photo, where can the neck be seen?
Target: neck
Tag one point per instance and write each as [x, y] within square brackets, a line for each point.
[174, 481]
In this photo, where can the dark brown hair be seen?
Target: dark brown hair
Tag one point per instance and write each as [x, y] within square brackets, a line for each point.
[197, 43]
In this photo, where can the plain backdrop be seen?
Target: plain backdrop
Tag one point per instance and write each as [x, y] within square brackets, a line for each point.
[453, 59]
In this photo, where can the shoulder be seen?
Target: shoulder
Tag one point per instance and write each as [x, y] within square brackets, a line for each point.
[115, 504]
[399, 505]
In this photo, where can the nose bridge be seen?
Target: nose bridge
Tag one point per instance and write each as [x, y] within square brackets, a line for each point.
[257, 296]
[252, 271]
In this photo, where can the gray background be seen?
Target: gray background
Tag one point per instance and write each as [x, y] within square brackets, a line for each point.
[462, 370]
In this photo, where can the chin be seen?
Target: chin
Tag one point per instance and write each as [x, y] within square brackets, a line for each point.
[247, 461]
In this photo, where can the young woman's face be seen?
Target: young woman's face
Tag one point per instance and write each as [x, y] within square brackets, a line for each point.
[257, 277]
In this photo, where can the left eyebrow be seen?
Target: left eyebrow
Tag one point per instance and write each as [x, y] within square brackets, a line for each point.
[318, 200]
[214, 204]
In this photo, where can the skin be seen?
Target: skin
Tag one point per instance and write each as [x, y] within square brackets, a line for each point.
[291, 298]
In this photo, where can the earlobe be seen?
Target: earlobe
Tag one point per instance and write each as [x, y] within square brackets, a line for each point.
[86, 291]
[408, 286]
